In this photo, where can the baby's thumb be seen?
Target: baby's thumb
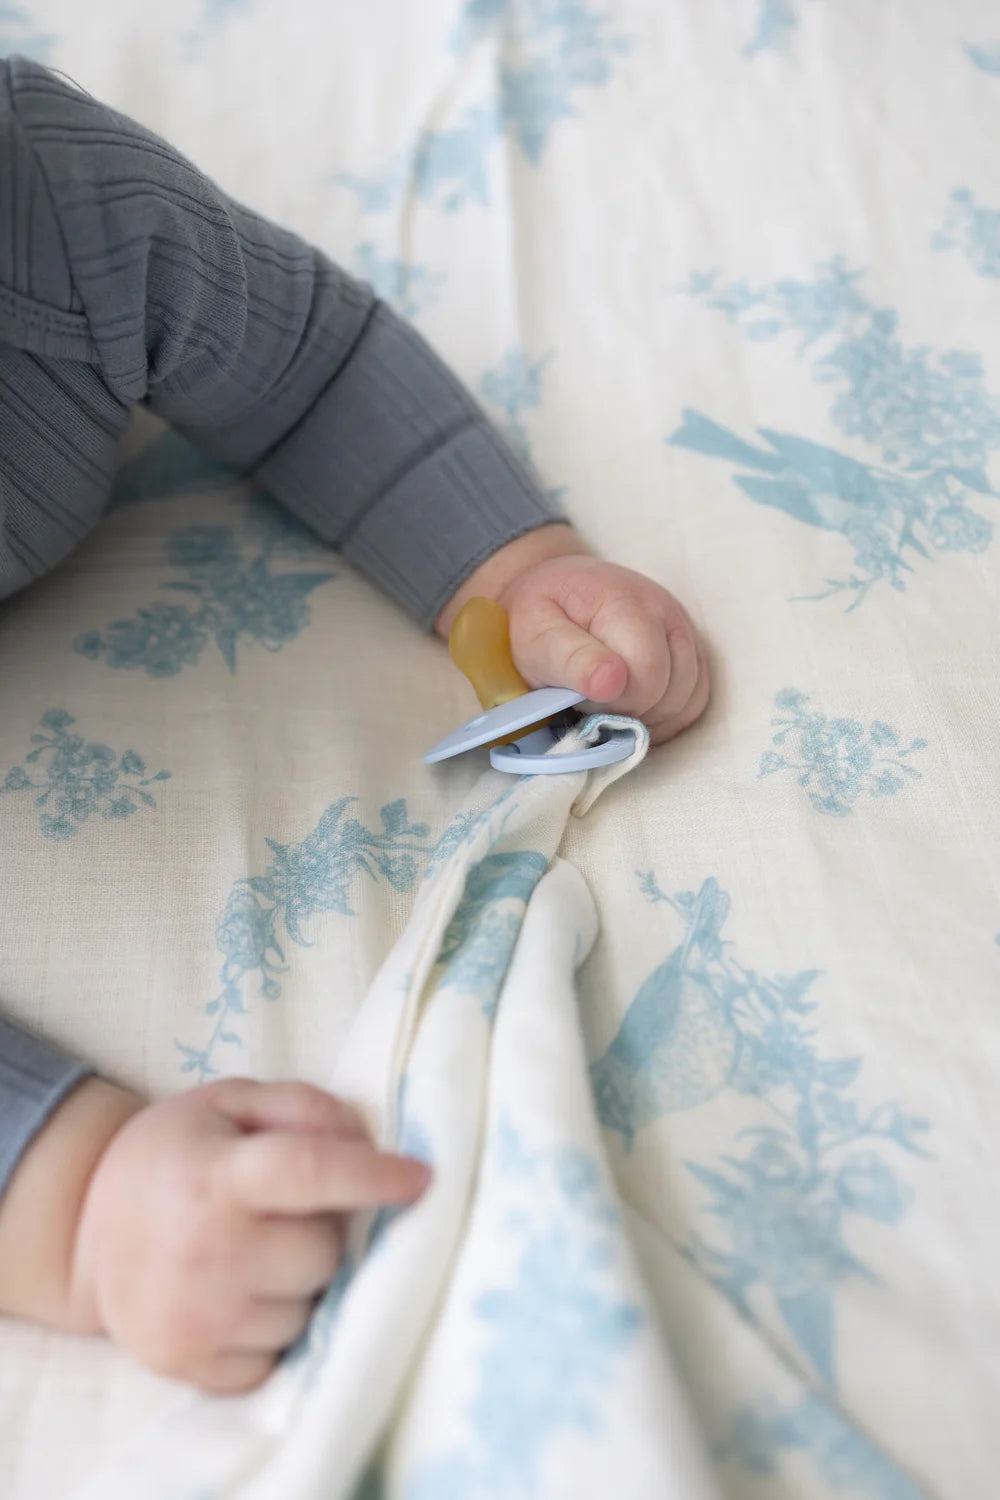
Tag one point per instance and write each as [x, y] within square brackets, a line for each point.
[551, 651]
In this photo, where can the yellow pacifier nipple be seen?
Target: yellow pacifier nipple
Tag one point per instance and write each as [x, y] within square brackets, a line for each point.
[479, 643]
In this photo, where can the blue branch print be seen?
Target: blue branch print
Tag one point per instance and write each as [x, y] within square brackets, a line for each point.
[837, 759]
[411, 289]
[465, 825]
[78, 778]
[514, 386]
[776, 20]
[301, 881]
[843, 1454]
[549, 50]
[784, 1196]
[931, 416]
[214, 15]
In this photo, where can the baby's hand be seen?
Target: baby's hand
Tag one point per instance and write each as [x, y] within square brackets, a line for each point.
[215, 1217]
[613, 635]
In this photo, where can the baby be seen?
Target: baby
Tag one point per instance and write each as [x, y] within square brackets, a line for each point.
[198, 1231]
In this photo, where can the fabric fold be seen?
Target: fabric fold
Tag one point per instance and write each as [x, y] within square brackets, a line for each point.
[514, 1272]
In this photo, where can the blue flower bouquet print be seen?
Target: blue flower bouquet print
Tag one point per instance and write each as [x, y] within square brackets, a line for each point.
[235, 596]
[837, 760]
[76, 779]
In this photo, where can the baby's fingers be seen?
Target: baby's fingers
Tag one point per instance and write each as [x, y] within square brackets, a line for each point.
[550, 650]
[676, 712]
[685, 666]
[284, 1173]
[283, 1105]
[295, 1256]
[639, 636]
[270, 1324]
[232, 1372]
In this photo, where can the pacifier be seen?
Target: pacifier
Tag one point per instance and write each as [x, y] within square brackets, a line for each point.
[520, 725]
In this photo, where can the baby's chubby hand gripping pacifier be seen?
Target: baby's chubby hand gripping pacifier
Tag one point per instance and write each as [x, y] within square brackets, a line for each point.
[516, 722]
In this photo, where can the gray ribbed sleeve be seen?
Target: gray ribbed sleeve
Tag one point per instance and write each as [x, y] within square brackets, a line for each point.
[126, 276]
[35, 1076]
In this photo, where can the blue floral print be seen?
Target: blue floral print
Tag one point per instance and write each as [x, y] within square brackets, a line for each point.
[79, 778]
[837, 760]
[169, 465]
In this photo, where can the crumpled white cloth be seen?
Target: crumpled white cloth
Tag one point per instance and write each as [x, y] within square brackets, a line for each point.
[496, 1339]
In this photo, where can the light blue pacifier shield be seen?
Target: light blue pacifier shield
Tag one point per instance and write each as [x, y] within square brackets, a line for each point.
[507, 718]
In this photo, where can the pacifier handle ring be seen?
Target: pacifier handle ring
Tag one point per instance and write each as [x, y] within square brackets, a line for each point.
[619, 745]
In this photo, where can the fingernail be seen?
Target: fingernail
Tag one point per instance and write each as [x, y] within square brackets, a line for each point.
[607, 681]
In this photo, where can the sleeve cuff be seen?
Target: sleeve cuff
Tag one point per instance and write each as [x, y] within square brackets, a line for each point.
[398, 468]
[35, 1077]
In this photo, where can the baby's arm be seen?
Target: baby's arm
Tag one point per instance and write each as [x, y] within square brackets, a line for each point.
[195, 1232]
[136, 274]
[139, 273]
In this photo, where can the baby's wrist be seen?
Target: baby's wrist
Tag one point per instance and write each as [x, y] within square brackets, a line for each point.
[40, 1213]
[495, 576]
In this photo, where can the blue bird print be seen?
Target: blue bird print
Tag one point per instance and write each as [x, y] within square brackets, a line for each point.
[929, 412]
[875, 508]
[781, 1200]
[807, 480]
[678, 1044]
